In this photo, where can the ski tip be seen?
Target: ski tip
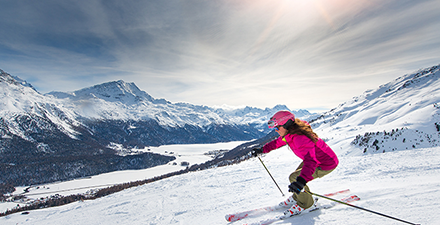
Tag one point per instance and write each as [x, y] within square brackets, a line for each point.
[351, 199]
[233, 217]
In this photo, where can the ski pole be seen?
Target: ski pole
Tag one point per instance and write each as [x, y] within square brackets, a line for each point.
[357, 207]
[270, 175]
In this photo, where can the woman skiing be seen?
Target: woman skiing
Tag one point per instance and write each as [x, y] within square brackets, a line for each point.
[318, 158]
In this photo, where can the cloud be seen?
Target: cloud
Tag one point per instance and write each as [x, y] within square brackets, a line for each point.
[245, 52]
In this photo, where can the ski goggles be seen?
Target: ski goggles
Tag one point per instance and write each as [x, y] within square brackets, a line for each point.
[272, 123]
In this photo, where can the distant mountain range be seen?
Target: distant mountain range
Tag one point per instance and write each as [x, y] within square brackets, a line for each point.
[119, 100]
[64, 135]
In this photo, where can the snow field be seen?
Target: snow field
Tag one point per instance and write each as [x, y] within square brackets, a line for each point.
[402, 184]
[192, 154]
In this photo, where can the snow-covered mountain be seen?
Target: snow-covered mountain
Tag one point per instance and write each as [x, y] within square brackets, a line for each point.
[20, 101]
[134, 111]
[42, 141]
[105, 120]
[119, 100]
[402, 114]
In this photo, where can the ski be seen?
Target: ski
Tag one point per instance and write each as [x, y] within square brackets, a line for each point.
[260, 211]
[318, 207]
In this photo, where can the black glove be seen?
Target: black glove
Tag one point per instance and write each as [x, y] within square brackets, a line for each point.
[298, 185]
[256, 151]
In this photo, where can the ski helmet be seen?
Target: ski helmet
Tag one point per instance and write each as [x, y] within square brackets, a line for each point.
[280, 118]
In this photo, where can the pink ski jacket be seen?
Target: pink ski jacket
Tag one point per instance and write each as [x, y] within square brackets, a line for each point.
[314, 155]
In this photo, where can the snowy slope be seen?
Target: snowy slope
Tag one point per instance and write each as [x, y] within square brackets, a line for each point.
[402, 184]
[20, 98]
[402, 114]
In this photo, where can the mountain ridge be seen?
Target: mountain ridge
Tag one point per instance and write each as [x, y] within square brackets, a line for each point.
[403, 113]
[60, 136]
[126, 101]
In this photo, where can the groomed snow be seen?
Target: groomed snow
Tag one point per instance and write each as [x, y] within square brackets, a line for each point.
[402, 184]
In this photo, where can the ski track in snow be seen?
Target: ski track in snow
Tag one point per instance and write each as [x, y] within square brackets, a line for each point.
[402, 184]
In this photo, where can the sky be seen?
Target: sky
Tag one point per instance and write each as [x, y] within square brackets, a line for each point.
[305, 54]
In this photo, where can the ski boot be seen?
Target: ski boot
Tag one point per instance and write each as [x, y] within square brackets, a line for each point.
[293, 211]
[290, 201]
[296, 210]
